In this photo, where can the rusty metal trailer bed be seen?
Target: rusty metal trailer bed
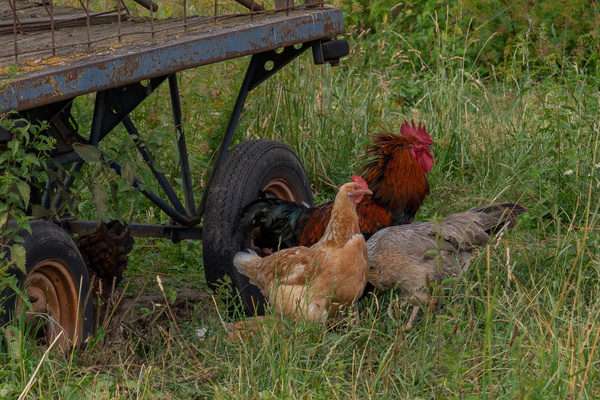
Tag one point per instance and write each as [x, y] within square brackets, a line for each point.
[51, 54]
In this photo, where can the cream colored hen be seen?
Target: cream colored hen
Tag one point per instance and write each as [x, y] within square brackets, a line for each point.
[312, 283]
[406, 257]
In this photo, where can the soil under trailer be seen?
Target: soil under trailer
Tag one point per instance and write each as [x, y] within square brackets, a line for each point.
[51, 53]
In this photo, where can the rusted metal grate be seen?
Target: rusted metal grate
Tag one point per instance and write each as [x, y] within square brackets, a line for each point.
[32, 29]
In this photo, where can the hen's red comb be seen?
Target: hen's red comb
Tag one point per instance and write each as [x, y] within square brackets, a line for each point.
[406, 129]
[360, 181]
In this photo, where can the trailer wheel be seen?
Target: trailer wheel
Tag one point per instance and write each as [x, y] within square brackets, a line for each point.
[247, 169]
[57, 285]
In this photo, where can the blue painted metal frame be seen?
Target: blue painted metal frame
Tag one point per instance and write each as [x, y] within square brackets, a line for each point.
[184, 163]
[114, 105]
[204, 47]
[177, 212]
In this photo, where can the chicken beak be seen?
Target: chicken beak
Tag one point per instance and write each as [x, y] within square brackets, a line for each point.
[367, 191]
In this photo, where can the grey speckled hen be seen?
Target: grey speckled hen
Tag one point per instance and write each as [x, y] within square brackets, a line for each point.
[407, 256]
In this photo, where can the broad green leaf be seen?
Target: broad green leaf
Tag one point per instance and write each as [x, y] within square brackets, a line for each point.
[33, 159]
[128, 172]
[13, 145]
[18, 239]
[4, 156]
[100, 199]
[24, 191]
[25, 225]
[40, 212]
[3, 218]
[90, 154]
[158, 167]
[17, 255]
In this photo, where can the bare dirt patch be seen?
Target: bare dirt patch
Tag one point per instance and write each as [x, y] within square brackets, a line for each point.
[133, 324]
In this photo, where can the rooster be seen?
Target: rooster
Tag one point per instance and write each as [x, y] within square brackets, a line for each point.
[312, 283]
[394, 169]
[408, 257]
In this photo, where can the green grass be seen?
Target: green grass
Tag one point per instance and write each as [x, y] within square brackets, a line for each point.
[522, 323]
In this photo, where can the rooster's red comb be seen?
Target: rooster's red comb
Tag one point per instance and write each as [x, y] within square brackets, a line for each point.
[360, 181]
[411, 129]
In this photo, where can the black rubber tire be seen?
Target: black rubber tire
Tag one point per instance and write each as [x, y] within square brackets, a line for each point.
[246, 170]
[47, 245]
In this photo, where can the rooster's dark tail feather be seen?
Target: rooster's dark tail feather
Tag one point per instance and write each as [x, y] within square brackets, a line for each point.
[278, 222]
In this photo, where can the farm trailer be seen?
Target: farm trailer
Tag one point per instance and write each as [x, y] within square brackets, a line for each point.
[51, 53]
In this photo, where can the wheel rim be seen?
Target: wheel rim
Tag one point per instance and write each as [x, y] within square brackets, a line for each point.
[280, 188]
[54, 296]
